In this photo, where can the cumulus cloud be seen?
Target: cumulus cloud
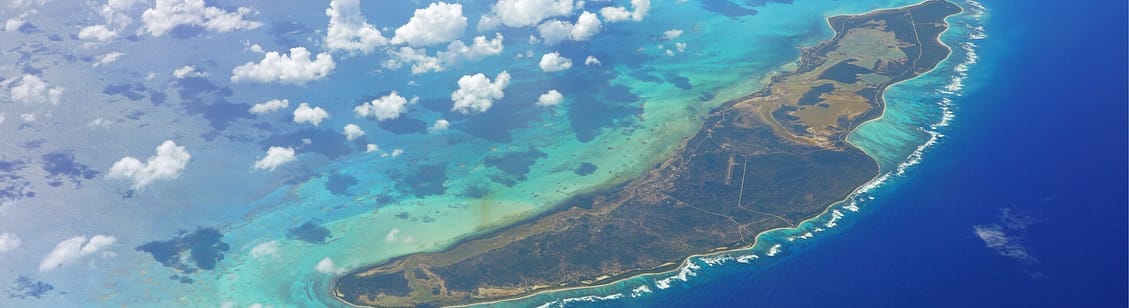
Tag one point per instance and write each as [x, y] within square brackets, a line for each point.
[672, 34]
[551, 98]
[555, 31]
[9, 242]
[166, 15]
[349, 30]
[554, 62]
[439, 125]
[523, 13]
[371, 148]
[352, 131]
[388, 107]
[477, 93]
[996, 239]
[188, 71]
[169, 162]
[99, 33]
[439, 22]
[31, 89]
[457, 53]
[72, 249]
[270, 106]
[276, 156]
[265, 249]
[108, 58]
[305, 114]
[619, 13]
[294, 68]
[14, 24]
[592, 61]
[1003, 238]
[326, 266]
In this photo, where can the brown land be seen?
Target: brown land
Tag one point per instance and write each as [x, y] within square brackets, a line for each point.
[769, 160]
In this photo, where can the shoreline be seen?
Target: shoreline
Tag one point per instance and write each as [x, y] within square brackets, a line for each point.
[879, 177]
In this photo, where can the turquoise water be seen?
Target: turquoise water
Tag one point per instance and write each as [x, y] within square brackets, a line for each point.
[621, 116]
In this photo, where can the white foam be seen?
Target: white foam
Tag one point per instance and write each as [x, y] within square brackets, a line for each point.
[591, 299]
[683, 275]
[717, 260]
[774, 250]
[747, 258]
[835, 216]
[640, 290]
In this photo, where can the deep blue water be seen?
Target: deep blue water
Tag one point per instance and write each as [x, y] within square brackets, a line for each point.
[1041, 134]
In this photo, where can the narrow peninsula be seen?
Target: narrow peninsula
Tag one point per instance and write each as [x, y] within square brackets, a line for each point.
[768, 160]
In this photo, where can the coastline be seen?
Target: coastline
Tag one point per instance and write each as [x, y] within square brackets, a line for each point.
[686, 262]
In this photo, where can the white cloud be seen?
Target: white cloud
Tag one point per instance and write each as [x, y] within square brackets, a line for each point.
[31, 89]
[276, 156]
[457, 53]
[9, 242]
[395, 152]
[554, 62]
[586, 26]
[28, 117]
[72, 249]
[522, 13]
[439, 22]
[551, 98]
[326, 266]
[619, 13]
[352, 131]
[477, 93]
[108, 58]
[555, 31]
[188, 71]
[265, 249]
[169, 14]
[305, 114]
[14, 24]
[439, 125]
[488, 22]
[98, 33]
[348, 30]
[995, 238]
[295, 68]
[388, 107]
[391, 235]
[371, 148]
[99, 122]
[166, 165]
[590, 61]
[680, 46]
[270, 106]
[672, 34]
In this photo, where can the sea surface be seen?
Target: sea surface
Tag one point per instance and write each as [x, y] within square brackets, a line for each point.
[1003, 170]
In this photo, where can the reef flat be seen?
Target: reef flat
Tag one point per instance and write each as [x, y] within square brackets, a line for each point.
[768, 160]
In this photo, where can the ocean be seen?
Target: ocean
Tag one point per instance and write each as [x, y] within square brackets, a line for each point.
[1037, 151]
[1003, 170]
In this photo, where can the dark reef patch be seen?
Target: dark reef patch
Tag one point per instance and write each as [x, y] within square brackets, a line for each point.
[339, 184]
[585, 168]
[403, 126]
[679, 81]
[201, 97]
[61, 166]
[515, 164]
[311, 232]
[132, 91]
[727, 8]
[424, 180]
[205, 247]
[24, 287]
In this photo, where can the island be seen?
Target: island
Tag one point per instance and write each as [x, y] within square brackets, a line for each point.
[765, 161]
